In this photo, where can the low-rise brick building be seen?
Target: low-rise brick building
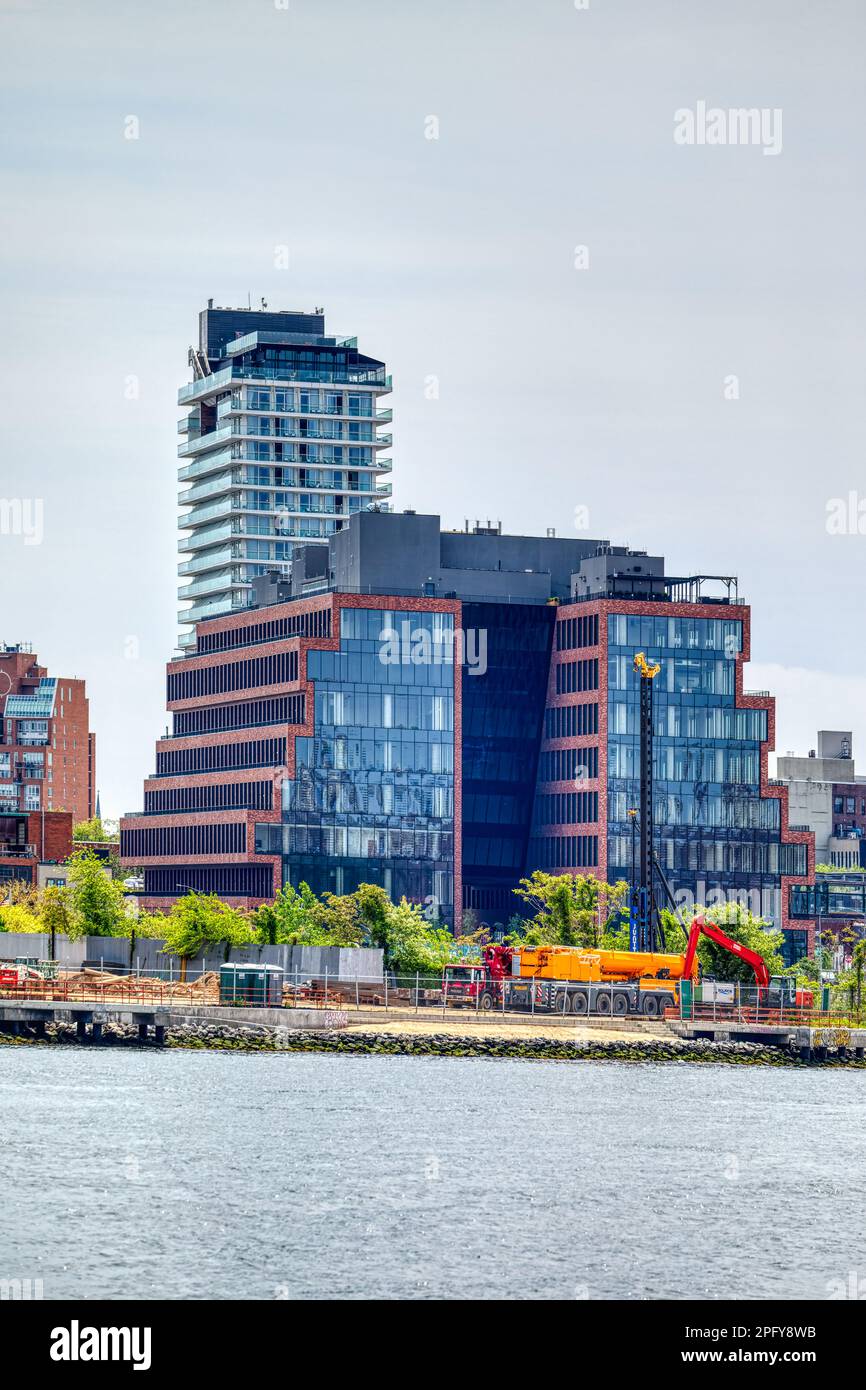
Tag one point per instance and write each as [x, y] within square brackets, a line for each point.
[30, 840]
[47, 750]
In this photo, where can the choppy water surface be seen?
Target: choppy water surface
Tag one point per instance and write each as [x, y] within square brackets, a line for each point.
[134, 1174]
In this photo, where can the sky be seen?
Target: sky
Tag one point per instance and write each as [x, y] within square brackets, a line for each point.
[586, 319]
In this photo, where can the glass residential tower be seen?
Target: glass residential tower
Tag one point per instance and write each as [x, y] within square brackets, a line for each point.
[282, 443]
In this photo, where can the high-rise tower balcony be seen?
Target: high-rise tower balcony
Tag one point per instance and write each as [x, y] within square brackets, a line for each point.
[372, 378]
[210, 535]
[205, 441]
[223, 508]
[208, 487]
[208, 560]
[208, 463]
[212, 583]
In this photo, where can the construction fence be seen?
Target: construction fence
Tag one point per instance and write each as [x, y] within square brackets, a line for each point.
[254, 986]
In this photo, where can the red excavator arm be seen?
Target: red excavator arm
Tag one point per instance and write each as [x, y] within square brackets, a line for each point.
[762, 974]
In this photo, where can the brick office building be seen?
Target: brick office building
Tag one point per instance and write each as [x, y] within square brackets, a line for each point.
[329, 735]
[47, 752]
[30, 841]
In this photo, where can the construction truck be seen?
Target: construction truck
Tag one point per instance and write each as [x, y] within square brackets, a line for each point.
[570, 980]
[565, 980]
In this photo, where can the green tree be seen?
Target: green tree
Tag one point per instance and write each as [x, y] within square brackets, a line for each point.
[858, 964]
[290, 920]
[472, 944]
[853, 979]
[413, 946]
[96, 829]
[265, 923]
[571, 909]
[95, 901]
[147, 924]
[337, 918]
[806, 971]
[199, 920]
[54, 913]
[374, 914]
[18, 917]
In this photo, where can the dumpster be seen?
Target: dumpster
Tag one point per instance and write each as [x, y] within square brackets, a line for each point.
[251, 985]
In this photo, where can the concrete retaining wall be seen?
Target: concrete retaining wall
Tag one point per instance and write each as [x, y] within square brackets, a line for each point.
[256, 1018]
[145, 955]
[170, 1015]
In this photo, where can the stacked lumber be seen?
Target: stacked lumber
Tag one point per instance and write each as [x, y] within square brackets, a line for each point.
[204, 989]
[89, 984]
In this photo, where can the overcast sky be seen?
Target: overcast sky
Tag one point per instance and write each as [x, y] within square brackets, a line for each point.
[694, 376]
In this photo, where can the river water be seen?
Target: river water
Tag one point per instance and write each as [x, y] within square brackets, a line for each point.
[130, 1174]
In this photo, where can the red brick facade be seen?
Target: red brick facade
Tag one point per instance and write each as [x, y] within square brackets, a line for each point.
[43, 838]
[67, 781]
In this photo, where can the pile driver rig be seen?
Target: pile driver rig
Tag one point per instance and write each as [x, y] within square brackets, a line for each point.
[646, 932]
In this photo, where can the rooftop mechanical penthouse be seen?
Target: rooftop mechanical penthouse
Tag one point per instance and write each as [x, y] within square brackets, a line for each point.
[328, 733]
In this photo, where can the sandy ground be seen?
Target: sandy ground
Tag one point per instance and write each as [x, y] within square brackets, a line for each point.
[454, 1027]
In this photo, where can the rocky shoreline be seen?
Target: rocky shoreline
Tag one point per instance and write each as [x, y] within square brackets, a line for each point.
[253, 1038]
